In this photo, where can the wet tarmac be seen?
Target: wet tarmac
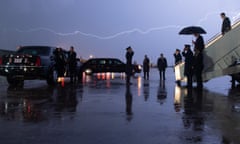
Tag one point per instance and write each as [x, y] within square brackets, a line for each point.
[103, 110]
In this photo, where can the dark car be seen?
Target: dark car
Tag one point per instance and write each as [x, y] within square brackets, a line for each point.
[29, 63]
[99, 65]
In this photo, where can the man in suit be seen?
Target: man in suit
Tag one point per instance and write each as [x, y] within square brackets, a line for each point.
[146, 67]
[199, 43]
[162, 65]
[198, 67]
[226, 24]
[129, 67]
[72, 64]
[188, 68]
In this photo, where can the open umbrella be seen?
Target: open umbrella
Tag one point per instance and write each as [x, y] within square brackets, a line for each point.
[192, 30]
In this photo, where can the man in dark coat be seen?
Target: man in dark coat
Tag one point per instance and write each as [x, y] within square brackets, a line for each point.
[188, 68]
[162, 65]
[60, 61]
[199, 43]
[226, 24]
[129, 67]
[198, 67]
[198, 59]
[178, 57]
[146, 67]
[72, 64]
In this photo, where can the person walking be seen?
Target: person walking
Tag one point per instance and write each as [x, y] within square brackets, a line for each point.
[162, 65]
[178, 57]
[72, 64]
[226, 24]
[146, 67]
[129, 67]
[188, 67]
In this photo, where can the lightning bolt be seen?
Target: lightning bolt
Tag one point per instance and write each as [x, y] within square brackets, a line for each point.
[78, 32]
[101, 37]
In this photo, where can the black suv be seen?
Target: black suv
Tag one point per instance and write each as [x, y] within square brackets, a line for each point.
[31, 62]
[98, 65]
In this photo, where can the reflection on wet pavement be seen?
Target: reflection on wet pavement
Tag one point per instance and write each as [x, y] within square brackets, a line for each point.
[148, 111]
[38, 104]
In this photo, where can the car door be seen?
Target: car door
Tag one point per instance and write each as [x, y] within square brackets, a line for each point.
[117, 65]
[102, 65]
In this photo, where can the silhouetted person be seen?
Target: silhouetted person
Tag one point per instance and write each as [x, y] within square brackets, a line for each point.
[162, 65]
[60, 61]
[129, 66]
[199, 42]
[198, 58]
[178, 57]
[146, 67]
[198, 67]
[226, 24]
[72, 64]
[188, 68]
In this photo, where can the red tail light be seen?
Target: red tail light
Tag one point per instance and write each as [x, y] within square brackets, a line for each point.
[1, 61]
[38, 61]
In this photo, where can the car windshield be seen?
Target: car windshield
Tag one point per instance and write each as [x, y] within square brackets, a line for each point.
[43, 51]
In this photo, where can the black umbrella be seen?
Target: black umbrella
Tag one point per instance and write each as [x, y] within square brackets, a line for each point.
[192, 30]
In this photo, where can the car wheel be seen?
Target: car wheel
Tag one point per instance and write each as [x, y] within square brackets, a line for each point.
[14, 81]
[52, 77]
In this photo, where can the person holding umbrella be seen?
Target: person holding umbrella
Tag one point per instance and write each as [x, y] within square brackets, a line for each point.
[198, 59]
[199, 42]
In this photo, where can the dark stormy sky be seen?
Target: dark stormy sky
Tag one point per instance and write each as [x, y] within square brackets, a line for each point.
[104, 28]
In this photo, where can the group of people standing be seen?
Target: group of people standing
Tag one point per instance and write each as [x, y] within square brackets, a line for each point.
[161, 65]
[66, 61]
[193, 59]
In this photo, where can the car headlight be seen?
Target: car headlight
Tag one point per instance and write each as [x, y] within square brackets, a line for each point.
[88, 71]
[139, 67]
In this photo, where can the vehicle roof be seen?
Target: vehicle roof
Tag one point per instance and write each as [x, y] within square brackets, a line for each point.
[104, 59]
[39, 50]
[37, 46]
[99, 59]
